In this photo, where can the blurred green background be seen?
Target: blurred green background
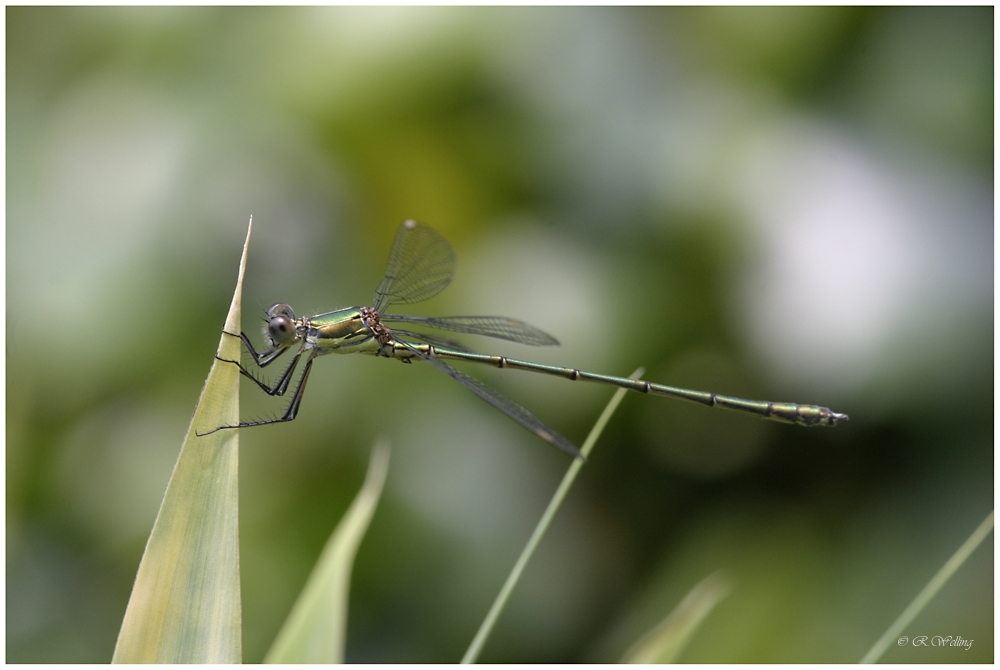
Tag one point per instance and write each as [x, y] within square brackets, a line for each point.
[790, 204]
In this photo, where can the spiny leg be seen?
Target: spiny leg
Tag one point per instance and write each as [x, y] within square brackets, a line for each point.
[293, 407]
[280, 386]
[262, 360]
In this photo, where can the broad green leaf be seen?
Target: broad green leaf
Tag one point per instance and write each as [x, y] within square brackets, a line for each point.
[316, 629]
[485, 628]
[666, 641]
[185, 603]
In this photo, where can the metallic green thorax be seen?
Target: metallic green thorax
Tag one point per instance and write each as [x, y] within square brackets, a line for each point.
[343, 332]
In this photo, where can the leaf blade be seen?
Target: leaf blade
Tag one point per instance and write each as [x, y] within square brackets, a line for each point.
[665, 642]
[185, 604]
[316, 629]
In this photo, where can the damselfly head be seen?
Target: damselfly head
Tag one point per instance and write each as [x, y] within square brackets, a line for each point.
[280, 327]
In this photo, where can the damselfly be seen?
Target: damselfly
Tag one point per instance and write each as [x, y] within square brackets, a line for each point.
[421, 264]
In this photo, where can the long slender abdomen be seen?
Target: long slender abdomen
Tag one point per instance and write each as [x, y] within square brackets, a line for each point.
[803, 415]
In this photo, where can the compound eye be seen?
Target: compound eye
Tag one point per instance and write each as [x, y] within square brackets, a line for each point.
[280, 309]
[281, 324]
[281, 330]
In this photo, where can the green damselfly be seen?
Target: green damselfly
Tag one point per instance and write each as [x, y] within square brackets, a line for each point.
[421, 264]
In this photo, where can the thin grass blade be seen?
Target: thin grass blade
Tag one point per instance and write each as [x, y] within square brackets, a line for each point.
[472, 653]
[929, 591]
[665, 642]
[316, 629]
[185, 603]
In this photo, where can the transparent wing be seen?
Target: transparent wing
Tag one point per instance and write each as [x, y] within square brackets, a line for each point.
[501, 327]
[442, 342]
[502, 403]
[421, 264]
